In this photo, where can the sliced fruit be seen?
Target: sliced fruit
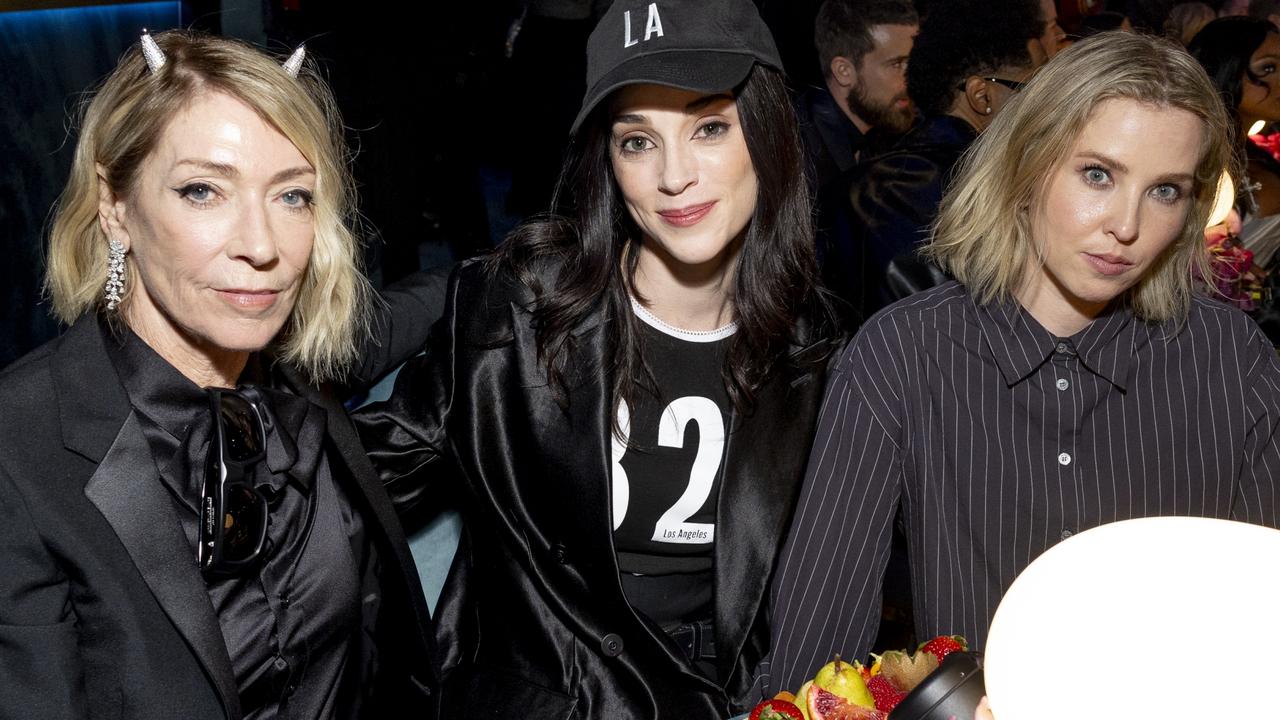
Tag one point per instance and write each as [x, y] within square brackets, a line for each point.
[802, 699]
[784, 695]
[845, 681]
[825, 705]
[776, 709]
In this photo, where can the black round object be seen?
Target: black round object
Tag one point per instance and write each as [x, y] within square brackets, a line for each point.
[953, 690]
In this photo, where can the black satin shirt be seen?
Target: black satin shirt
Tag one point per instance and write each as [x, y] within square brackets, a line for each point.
[292, 624]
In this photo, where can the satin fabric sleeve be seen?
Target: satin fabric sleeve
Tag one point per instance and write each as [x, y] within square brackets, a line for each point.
[826, 595]
[406, 435]
[40, 668]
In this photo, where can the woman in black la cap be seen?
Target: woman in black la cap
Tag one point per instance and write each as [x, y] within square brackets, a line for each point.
[626, 391]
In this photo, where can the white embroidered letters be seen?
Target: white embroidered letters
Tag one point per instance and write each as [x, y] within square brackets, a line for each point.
[652, 26]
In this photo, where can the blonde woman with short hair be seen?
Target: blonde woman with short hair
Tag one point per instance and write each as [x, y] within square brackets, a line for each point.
[1071, 376]
[189, 525]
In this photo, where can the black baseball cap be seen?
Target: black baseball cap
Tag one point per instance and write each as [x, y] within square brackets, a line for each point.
[699, 45]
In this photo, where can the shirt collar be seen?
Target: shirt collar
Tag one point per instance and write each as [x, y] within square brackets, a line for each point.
[180, 408]
[1020, 344]
[155, 388]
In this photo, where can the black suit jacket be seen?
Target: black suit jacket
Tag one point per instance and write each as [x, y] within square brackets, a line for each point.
[103, 613]
[534, 622]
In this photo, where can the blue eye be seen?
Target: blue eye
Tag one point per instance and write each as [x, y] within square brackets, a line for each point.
[198, 193]
[296, 198]
[1167, 193]
[1096, 176]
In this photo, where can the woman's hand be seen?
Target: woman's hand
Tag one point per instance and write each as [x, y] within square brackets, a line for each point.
[984, 711]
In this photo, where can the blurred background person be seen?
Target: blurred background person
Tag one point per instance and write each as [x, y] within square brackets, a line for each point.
[1053, 39]
[1186, 19]
[189, 524]
[1268, 10]
[862, 47]
[1103, 22]
[1242, 55]
[970, 58]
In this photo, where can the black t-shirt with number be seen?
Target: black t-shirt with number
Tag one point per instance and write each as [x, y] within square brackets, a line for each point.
[667, 472]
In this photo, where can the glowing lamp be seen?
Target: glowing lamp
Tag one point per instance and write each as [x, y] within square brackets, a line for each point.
[1163, 617]
[1223, 201]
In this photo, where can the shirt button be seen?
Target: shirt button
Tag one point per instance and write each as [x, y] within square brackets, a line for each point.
[1066, 534]
[611, 645]
[281, 664]
[1064, 459]
[1063, 384]
[1062, 348]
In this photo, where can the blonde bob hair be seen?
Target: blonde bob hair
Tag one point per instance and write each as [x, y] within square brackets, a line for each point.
[983, 235]
[123, 124]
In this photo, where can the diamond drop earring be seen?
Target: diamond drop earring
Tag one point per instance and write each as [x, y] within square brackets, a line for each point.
[115, 273]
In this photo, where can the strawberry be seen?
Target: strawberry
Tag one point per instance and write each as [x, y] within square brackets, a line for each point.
[944, 645]
[886, 695]
[776, 709]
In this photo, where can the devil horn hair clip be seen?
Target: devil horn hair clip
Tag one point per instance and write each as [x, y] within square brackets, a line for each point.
[294, 63]
[151, 52]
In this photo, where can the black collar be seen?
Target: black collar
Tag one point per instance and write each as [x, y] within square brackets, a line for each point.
[1021, 345]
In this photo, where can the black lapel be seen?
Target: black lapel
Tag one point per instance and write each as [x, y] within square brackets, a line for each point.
[574, 441]
[766, 454]
[577, 451]
[352, 454]
[98, 423]
[127, 490]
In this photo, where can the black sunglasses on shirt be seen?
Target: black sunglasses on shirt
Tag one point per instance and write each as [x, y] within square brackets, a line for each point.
[233, 515]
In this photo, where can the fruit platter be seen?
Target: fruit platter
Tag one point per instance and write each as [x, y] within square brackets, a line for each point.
[844, 690]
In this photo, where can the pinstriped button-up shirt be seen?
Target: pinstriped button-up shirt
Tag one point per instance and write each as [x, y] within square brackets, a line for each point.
[998, 440]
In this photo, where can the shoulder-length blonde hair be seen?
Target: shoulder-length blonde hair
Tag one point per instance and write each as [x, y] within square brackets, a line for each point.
[123, 124]
[983, 234]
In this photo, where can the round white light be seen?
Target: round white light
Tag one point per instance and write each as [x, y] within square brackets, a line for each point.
[1166, 617]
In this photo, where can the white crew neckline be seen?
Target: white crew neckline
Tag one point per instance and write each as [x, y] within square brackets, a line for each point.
[697, 336]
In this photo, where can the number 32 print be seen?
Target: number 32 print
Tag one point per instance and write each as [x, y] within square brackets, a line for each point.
[673, 525]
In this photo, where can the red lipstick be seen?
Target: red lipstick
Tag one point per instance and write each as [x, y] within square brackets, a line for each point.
[686, 216]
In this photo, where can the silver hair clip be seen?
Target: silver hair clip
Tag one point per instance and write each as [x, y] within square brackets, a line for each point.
[152, 52]
[294, 63]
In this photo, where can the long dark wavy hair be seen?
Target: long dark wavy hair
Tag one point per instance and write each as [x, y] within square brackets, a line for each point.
[1224, 48]
[590, 230]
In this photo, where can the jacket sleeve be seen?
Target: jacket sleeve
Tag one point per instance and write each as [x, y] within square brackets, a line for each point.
[403, 315]
[406, 435]
[40, 671]
[826, 594]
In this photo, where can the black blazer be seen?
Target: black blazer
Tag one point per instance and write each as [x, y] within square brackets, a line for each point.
[103, 613]
[534, 622]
